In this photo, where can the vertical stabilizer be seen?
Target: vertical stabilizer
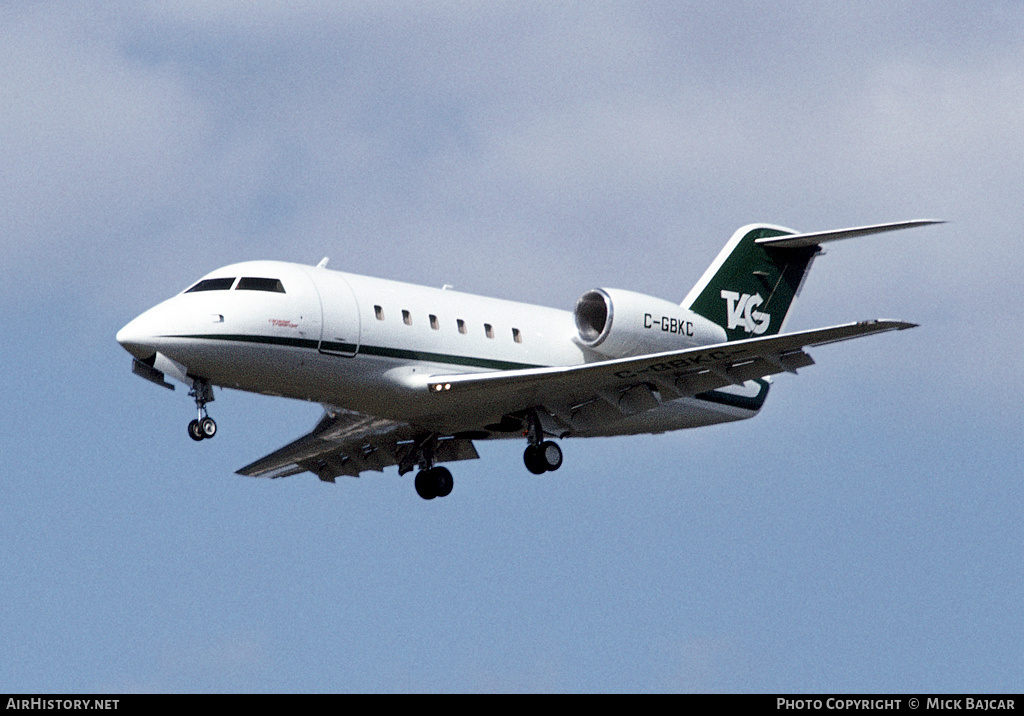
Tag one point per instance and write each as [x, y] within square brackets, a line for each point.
[750, 287]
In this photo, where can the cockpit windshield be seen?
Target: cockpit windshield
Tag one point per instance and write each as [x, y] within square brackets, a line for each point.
[248, 283]
[212, 284]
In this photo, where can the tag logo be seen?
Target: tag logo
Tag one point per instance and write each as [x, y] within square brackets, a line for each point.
[739, 310]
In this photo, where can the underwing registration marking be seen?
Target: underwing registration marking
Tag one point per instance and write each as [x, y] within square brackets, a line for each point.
[694, 361]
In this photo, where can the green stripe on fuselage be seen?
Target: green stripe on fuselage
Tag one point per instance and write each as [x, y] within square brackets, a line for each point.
[377, 351]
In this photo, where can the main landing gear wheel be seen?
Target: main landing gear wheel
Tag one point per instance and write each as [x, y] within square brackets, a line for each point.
[194, 431]
[443, 481]
[434, 482]
[545, 457]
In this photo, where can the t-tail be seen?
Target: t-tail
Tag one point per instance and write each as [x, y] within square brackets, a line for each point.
[749, 288]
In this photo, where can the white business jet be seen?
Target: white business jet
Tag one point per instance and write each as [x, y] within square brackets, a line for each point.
[411, 376]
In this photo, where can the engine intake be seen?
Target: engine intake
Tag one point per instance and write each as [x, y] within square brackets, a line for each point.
[593, 316]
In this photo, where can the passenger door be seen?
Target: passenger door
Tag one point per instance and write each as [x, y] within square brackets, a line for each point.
[341, 329]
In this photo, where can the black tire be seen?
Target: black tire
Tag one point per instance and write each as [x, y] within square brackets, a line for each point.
[207, 427]
[551, 455]
[426, 486]
[443, 482]
[534, 460]
[194, 431]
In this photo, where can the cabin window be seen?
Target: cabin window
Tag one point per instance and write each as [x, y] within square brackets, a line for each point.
[212, 284]
[489, 330]
[462, 325]
[406, 318]
[517, 336]
[378, 312]
[433, 322]
[271, 285]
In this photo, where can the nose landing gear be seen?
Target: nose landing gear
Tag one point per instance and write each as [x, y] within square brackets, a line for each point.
[203, 427]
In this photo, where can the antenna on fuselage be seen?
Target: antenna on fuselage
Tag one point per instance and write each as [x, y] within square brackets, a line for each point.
[323, 262]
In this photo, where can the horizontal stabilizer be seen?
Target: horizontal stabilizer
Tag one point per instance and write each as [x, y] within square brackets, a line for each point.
[796, 241]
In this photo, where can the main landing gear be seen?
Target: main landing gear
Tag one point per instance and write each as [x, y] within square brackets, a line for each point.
[431, 481]
[541, 455]
[203, 427]
[434, 482]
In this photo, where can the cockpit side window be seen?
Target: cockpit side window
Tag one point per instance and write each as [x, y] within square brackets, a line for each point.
[212, 284]
[248, 283]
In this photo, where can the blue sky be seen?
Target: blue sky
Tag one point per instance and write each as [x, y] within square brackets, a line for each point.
[861, 534]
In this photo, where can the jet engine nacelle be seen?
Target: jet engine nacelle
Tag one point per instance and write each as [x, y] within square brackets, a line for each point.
[619, 324]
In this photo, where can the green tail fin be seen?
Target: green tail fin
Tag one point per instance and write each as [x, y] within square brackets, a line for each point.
[749, 288]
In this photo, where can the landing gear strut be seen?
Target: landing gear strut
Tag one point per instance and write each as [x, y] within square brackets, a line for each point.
[541, 455]
[431, 481]
[203, 427]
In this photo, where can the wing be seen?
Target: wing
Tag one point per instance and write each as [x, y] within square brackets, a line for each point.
[349, 443]
[633, 385]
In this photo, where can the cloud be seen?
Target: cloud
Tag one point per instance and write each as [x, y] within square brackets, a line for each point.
[92, 146]
[184, 136]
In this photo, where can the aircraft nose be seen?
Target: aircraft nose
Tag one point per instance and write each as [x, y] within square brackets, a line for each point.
[137, 338]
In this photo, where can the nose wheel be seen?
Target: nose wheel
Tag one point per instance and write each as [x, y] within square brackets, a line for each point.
[203, 427]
